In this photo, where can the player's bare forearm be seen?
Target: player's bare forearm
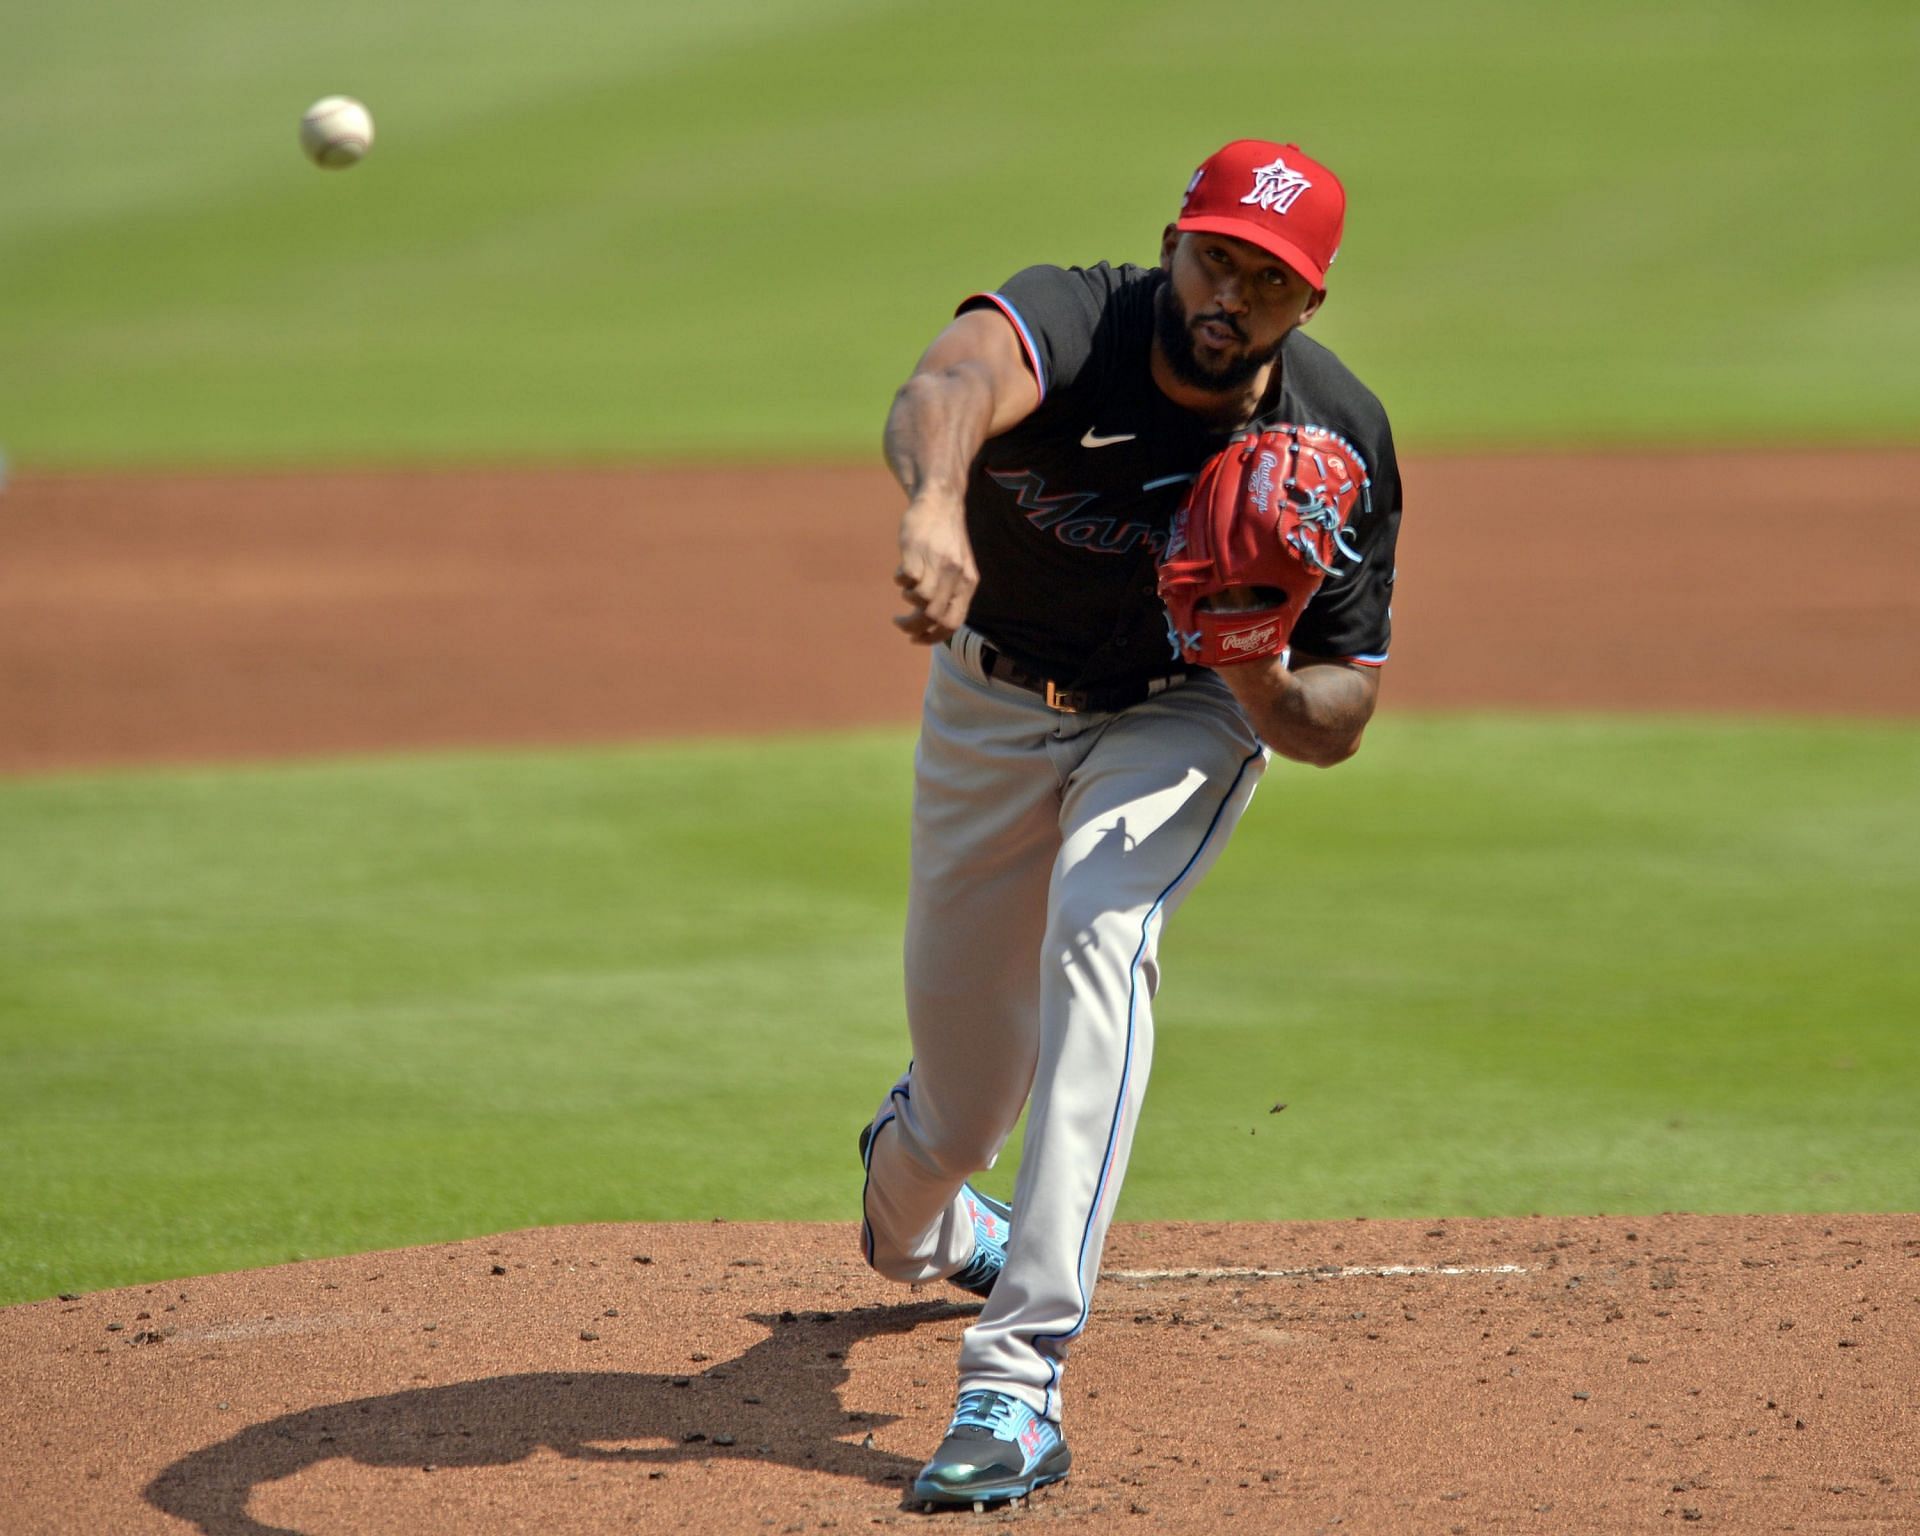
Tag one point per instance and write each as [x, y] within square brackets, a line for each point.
[972, 382]
[1314, 712]
[937, 424]
[939, 420]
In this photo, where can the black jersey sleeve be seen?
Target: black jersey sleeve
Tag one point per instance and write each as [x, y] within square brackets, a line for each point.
[1350, 617]
[1056, 312]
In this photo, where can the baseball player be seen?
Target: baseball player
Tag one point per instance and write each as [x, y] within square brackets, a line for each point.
[1116, 653]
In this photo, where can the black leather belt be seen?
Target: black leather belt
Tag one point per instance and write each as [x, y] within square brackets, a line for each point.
[1002, 668]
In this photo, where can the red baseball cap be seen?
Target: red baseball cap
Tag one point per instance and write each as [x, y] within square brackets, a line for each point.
[1272, 196]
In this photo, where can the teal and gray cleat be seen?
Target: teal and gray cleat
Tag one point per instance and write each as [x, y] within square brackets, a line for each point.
[997, 1448]
[992, 1226]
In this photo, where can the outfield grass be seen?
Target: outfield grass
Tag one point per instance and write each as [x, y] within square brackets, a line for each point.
[614, 231]
[1491, 966]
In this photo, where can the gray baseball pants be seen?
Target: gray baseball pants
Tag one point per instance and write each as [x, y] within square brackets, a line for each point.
[1048, 851]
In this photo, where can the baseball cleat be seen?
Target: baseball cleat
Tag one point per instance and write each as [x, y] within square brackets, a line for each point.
[992, 1227]
[997, 1448]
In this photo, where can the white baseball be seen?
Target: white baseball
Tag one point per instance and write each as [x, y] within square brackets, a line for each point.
[336, 132]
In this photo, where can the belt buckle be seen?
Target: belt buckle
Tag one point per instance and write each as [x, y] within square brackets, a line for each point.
[1059, 699]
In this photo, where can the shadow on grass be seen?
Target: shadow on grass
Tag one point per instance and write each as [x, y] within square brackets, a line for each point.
[778, 1403]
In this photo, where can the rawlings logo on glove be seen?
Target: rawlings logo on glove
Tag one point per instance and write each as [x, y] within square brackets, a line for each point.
[1265, 523]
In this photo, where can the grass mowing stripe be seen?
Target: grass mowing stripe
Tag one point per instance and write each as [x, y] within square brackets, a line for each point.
[77, 130]
[584, 230]
[1492, 965]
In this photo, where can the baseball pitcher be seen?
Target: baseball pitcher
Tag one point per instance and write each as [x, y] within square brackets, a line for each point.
[1149, 539]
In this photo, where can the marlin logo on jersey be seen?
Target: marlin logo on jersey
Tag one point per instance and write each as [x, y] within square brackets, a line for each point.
[1177, 535]
[1276, 187]
[1061, 516]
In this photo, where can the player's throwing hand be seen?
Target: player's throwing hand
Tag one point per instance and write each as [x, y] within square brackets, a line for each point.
[936, 573]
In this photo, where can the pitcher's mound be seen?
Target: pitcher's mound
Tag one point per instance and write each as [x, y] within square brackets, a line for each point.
[1607, 1375]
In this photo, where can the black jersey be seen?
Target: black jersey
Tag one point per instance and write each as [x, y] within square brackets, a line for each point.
[1068, 511]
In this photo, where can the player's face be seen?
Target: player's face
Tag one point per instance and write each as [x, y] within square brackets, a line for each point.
[1226, 310]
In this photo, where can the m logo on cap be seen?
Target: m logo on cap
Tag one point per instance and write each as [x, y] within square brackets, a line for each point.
[1296, 210]
[1276, 187]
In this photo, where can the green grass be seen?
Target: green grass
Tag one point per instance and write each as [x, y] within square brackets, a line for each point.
[1491, 966]
[606, 231]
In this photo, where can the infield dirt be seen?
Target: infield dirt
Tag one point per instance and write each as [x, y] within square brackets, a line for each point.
[1590, 1375]
[1578, 1375]
[207, 618]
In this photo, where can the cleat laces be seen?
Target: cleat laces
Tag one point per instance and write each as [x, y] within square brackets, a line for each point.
[995, 1412]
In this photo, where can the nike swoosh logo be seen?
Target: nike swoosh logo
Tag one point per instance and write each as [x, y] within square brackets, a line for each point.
[1092, 441]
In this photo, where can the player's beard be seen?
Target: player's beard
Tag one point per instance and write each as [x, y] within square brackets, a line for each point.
[1173, 329]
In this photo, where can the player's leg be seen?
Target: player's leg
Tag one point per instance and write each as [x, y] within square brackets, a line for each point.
[1146, 812]
[985, 830]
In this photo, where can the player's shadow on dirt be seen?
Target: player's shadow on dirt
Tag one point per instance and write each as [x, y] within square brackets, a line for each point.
[777, 1403]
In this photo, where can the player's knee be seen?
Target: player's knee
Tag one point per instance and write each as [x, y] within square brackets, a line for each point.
[952, 1153]
[961, 1155]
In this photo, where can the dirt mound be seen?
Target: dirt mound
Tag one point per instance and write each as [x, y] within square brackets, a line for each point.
[1604, 1375]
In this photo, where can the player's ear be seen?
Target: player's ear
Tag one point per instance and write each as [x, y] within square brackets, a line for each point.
[1313, 307]
[1169, 238]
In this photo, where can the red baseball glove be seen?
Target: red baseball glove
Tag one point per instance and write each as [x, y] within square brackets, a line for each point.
[1263, 526]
